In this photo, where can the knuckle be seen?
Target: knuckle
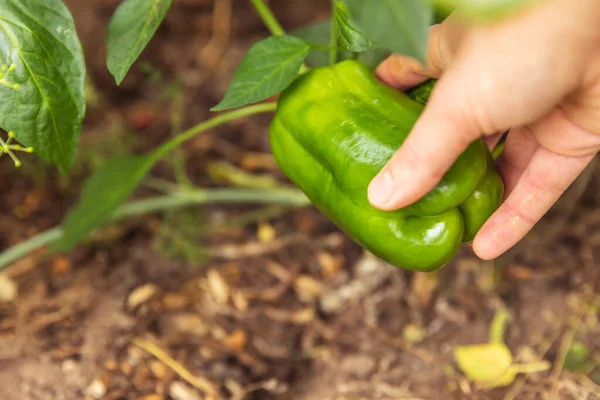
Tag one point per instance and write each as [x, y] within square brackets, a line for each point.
[509, 165]
[545, 186]
[463, 122]
[518, 214]
[418, 165]
[438, 55]
[481, 114]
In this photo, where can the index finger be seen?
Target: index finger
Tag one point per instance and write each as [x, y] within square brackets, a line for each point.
[403, 72]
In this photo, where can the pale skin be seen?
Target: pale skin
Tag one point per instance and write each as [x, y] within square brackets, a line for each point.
[535, 74]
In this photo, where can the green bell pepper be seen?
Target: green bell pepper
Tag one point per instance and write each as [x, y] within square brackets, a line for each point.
[334, 129]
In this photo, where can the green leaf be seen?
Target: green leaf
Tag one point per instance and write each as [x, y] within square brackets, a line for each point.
[103, 192]
[401, 26]
[348, 36]
[318, 34]
[578, 358]
[484, 363]
[422, 92]
[268, 68]
[42, 78]
[129, 31]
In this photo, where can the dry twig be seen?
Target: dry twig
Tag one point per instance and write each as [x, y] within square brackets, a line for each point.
[198, 382]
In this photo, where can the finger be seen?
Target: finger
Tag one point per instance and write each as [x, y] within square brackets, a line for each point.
[559, 133]
[510, 89]
[519, 148]
[544, 180]
[403, 72]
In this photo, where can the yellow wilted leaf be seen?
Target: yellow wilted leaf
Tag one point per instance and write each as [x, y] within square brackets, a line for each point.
[505, 380]
[484, 363]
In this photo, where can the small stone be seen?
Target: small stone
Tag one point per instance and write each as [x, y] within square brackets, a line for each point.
[307, 287]
[358, 365]
[155, 396]
[69, 365]
[134, 355]
[97, 389]
[159, 370]
[413, 333]
[8, 288]
[175, 301]
[240, 301]
[218, 286]
[183, 324]
[61, 265]
[369, 265]
[236, 341]
[303, 316]
[126, 368]
[330, 264]
[111, 365]
[140, 295]
[181, 391]
[208, 354]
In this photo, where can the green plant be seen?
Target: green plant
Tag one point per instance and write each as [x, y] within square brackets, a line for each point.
[491, 364]
[42, 82]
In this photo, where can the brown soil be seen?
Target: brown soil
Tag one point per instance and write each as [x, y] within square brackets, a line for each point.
[284, 308]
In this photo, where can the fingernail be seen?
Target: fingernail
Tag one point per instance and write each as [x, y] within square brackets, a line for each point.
[381, 188]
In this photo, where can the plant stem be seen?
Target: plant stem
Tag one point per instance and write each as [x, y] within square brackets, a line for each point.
[497, 152]
[211, 123]
[532, 367]
[273, 25]
[163, 185]
[498, 326]
[291, 197]
[33, 243]
[177, 200]
[268, 18]
[247, 218]
[332, 36]
[303, 68]
[224, 172]
[178, 161]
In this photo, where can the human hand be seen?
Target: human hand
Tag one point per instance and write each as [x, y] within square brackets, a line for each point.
[536, 74]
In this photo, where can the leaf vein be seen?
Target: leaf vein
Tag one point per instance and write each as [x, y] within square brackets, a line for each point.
[36, 83]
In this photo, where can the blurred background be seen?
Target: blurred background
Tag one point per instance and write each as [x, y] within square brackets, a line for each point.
[262, 302]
